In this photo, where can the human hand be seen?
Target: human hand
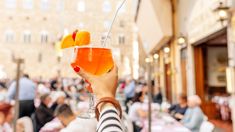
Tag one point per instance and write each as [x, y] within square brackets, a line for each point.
[179, 116]
[102, 86]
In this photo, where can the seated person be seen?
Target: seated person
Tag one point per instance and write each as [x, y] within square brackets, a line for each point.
[194, 116]
[6, 117]
[157, 98]
[178, 110]
[136, 113]
[72, 123]
[53, 126]
[59, 98]
[43, 113]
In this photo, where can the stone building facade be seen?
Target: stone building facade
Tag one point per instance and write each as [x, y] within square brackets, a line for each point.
[30, 29]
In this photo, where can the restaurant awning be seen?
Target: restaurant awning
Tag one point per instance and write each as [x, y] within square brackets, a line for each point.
[154, 22]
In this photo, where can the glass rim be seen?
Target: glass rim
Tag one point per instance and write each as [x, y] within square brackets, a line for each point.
[93, 46]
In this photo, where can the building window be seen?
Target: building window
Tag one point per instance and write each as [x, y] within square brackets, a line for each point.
[9, 36]
[27, 37]
[60, 5]
[28, 4]
[103, 37]
[11, 4]
[81, 6]
[122, 24]
[107, 7]
[44, 37]
[107, 24]
[44, 5]
[121, 39]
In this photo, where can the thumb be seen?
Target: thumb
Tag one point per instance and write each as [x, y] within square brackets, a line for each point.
[85, 75]
[114, 71]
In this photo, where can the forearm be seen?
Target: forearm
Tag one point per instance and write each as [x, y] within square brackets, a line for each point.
[109, 119]
[178, 116]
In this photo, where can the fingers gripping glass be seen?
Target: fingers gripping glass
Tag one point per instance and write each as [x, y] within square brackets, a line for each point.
[95, 60]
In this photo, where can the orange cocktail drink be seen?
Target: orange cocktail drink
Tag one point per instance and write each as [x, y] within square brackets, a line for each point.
[94, 60]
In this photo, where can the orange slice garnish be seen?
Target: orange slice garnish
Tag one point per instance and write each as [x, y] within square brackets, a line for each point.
[67, 42]
[82, 38]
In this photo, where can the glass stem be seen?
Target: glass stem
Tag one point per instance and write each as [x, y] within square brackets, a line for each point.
[91, 102]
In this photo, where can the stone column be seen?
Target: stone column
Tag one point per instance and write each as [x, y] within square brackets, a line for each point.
[191, 86]
[231, 61]
[231, 42]
[162, 75]
[176, 63]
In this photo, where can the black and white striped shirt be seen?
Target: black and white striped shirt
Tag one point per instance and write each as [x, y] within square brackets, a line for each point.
[109, 121]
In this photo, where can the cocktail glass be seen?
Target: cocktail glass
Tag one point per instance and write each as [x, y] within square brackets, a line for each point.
[95, 60]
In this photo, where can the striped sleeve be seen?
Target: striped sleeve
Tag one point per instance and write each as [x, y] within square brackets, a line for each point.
[109, 121]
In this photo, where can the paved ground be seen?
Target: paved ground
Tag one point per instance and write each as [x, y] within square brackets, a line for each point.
[222, 126]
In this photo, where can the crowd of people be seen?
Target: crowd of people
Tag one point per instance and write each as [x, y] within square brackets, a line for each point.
[187, 109]
[45, 106]
[54, 105]
[38, 102]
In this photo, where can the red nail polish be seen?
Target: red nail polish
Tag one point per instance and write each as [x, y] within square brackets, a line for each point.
[76, 69]
[87, 82]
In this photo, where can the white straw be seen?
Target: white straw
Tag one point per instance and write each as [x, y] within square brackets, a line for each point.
[110, 28]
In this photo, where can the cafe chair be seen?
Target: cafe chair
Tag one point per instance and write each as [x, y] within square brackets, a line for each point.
[207, 127]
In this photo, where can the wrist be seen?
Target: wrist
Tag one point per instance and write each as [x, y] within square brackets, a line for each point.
[105, 105]
[106, 102]
[105, 95]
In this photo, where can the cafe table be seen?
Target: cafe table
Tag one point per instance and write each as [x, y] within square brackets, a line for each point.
[163, 122]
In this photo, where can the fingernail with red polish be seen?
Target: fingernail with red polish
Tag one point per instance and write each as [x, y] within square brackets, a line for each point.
[87, 81]
[76, 69]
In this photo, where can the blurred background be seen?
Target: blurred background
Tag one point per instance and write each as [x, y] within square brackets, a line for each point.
[181, 46]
